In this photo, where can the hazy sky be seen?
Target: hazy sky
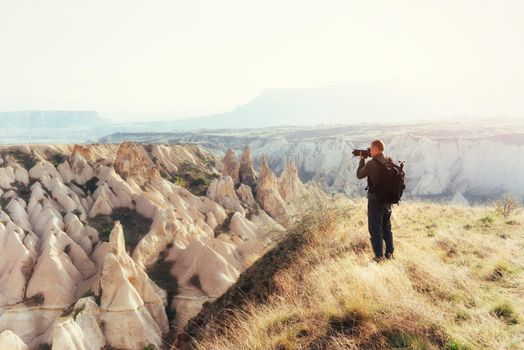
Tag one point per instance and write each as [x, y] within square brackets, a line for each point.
[195, 57]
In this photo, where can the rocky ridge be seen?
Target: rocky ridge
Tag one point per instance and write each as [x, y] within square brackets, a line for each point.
[474, 159]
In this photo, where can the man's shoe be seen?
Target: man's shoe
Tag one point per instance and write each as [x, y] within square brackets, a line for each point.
[378, 259]
[390, 256]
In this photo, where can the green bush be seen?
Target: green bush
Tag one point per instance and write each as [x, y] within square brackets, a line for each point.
[456, 345]
[402, 340]
[105, 233]
[57, 159]
[180, 181]
[488, 219]
[134, 225]
[24, 159]
[35, 300]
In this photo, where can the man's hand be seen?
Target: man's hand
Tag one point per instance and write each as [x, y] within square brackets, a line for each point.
[362, 156]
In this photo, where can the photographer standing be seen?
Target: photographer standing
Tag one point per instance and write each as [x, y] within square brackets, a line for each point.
[379, 211]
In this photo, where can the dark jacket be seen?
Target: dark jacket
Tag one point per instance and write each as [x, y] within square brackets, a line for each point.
[371, 170]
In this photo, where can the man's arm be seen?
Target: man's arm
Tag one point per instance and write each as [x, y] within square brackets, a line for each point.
[363, 169]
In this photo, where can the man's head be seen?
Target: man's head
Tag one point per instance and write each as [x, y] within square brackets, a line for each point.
[377, 147]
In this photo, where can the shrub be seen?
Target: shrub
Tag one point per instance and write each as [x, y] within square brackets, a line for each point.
[348, 320]
[4, 202]
[57, 159]
[506, 206]
[462, 315]
[284, 343]
[505, 311]
[105, 233]
[195, 281]
[91, 185]
[195, 179]
[35, 300]
[180, 181]
[488, 219]
[456, 345]
[224, 227]
[23, 191]
[448, 246]
[398, 339]
[500, 270]
[134, 225]
[24, 159]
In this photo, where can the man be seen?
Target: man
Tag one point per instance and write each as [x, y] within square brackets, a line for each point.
[379, 213]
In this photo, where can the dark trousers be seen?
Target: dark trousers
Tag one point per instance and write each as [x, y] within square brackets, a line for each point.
[379, 226]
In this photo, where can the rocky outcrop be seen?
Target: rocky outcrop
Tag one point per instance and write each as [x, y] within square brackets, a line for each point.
[9, 340]
[79, 269]
[79, 328]
[245, 193]
[247, 171]
[441, 158]
[223, 192]
[231, 166]
[268, 195]
[458, 199]
[132, 162]
[131, 308]
[289, 184]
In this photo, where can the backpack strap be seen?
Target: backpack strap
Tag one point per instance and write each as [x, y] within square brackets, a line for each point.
[371, 187]
[382, 167]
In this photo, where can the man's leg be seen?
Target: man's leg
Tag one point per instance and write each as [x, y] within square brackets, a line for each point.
[387, 234]
[375, 227]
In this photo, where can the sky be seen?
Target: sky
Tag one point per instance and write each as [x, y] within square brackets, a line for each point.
[178, 58]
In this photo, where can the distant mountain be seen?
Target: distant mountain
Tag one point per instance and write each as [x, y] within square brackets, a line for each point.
[20, 127]
[50, 119]
[374, 101]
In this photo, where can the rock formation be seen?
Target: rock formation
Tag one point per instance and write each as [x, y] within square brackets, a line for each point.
[132, 162]
[441, 158]
[268, 195]
[102, 245]
[247, 171]
[9, 340]
[289, 185]
[231, 166]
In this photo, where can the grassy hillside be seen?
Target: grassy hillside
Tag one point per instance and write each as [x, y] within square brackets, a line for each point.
[457, 283]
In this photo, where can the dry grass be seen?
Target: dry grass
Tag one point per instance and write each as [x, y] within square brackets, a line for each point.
[457, 283]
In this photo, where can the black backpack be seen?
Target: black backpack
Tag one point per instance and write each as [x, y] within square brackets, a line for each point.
[391, 182]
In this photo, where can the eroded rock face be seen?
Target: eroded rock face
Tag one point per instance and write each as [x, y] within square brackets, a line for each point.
[247, 173]
[289, 184]
[131, 307]
[231, 166]
[268, 195]
[9, 340]
[69, 275]
[245, 193]
[132, 162]
[223, 192]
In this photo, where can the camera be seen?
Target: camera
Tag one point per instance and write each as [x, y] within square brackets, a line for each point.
[365, 152]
